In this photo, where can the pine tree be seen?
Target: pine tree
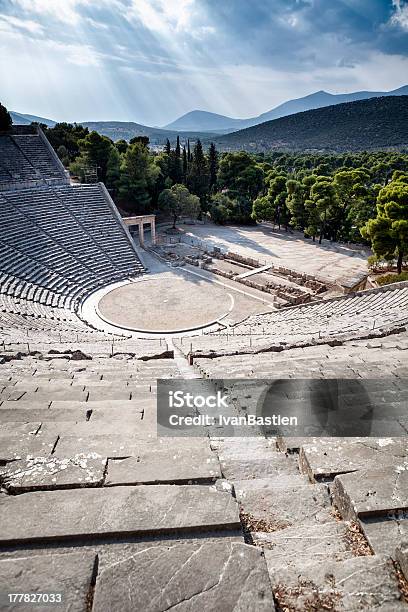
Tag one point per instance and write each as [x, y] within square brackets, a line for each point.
[189, 156]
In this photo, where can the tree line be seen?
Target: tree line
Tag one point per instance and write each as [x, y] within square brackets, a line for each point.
[339, 197]
[357, 197]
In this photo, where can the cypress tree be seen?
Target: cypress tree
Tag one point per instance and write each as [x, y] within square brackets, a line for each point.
[198, 174]
[213, 166]
[167, 148]
[185, 165]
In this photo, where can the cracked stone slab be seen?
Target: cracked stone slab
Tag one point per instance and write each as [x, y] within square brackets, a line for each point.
[70, 574]
[268, 507]
[384, 534]
[352, 585]
[201, 576]
[75, 513]
[47, 473]
[26, 446]
[159, 461]
[329, 457]
[371, 491]
[300, 544]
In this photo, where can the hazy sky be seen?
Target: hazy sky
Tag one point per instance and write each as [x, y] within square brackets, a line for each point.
[150, 61]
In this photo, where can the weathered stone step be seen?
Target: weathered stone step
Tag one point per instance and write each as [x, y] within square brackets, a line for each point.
[162, 461]
[301, 544]
[70, 574]
[385, 533]
[369, 492]
[361, 583]
[115, 511]
[252, 457]
[48, 473]
[25, 446]
[112, 445]
[11, 429]
[25, 415]
[327, 458]
[269, 507]
[258, 467]
[218, 575]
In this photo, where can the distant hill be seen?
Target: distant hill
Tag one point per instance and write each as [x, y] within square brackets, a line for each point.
[23, 119]
[377, 123]
[204, 121]
[116, 130]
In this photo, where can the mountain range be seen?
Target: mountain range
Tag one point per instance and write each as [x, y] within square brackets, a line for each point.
[203, 121]
[377, 123]
[23, 119]
[211, 126]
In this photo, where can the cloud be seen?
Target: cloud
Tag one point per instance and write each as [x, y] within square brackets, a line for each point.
[400, 16]
[151, 60]
[10, 23]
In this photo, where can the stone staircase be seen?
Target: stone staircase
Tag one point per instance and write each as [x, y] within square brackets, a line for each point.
[95, 506]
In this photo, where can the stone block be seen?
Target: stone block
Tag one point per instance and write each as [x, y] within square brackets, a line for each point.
[216, 575]
[25, 446]
[385, 533]
[11, 429]
[301, 544]
[371, 491]
[352, 585]
[70, 574]
[327, 458]
[115, 512]
[47, 473]
[164, 462]
[269, 507]
[24, 415]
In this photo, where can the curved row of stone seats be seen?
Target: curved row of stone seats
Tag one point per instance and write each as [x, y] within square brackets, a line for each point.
[89, 205]
[24, 271]
[14, 166]
[93, 343]
[20, 288]
[17, 330]
[35, 148]
[358, 315]
[392, 296]
[28, 308]
[381, 357]
[25, 156]
[46, 243]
